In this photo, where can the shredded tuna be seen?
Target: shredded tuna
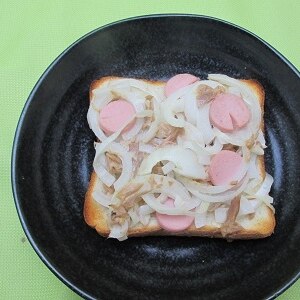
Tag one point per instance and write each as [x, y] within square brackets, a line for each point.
[168, 134]
[114, 164]
[108, 189]
[118, 215]
[231, 226]
[149, 106]
[130, 194]
[137, 160]
[206, 93]
[230, 147]
[157, 169]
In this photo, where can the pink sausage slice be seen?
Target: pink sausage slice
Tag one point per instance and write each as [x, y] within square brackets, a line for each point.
[224, 167]
[179, 81]
[115, 115]
[173, 223]
[229, 112]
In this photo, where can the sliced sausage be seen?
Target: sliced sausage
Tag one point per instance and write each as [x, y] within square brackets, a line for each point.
[228, 112]
[115, 115]
[224, 167]
[173, 223]
[179, 81]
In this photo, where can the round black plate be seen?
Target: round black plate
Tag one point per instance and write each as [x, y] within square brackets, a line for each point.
[53, 154]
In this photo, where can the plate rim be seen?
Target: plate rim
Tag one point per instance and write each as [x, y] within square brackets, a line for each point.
[16, 138]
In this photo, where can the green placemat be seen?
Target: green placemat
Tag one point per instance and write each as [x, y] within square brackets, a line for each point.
[32, 35]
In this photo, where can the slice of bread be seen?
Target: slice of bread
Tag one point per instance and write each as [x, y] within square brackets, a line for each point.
[259, 225]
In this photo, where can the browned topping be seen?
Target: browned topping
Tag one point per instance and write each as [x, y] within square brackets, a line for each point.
[157, 169]
[233, 210]
[230, 147]
[118, 215]
[114, 164]
[168, 133]
[149, 102]
[115, 95]
[251, 141]
[137, 160]
[251, 216]
[133, 147]
[235, 182]
[149, 106]
[130, 194]
[231, 226]
[205, 93]
[108, 189]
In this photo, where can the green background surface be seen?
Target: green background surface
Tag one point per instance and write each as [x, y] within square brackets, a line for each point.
[32, 35]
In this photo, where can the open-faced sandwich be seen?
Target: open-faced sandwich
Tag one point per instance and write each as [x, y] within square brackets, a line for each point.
[182, 157]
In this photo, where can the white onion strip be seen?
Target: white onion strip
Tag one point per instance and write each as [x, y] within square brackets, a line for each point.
[127, 166]
[265, 187]
[101, 198]
[203, 124]
[221, 197]
[134, 130]
[168, 167]
[107, 178]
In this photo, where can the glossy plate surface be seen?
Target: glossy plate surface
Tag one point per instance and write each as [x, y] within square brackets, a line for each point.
[53, 154]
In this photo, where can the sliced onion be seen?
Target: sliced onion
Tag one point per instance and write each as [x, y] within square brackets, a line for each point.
[253, 168]
[257, 149]
[169, 110]
[163, 209]
[146, 148]
[127, 167]
[102, 198]
[253, 186]
[203, 124]
[145, 113]
[261, 139]
[132, 212]
[255, 203]
[265, 187]
[268, 200]
[215, 148]
[204, 188]
[119, 231]
[203, 207]
[93, 121]
[101, 147]
[246, 207]
[145, 210]
[137, 127]
[200, 220]
[185, 161]
[168, 167]
[107, 178]
[234, 90]
[221, 214]
[190, 108]
[202, 155]
[221, 197]
[192, 133]
[150, 133]
[144, 213]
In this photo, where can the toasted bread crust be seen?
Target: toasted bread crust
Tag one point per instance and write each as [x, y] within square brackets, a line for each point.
[95, 215]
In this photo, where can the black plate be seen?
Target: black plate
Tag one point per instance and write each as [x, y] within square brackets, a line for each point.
[53, 153]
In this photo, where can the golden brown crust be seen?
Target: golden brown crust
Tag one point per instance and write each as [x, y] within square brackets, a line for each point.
[95, 215]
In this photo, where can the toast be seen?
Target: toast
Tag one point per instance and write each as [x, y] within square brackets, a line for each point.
[259, 224]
